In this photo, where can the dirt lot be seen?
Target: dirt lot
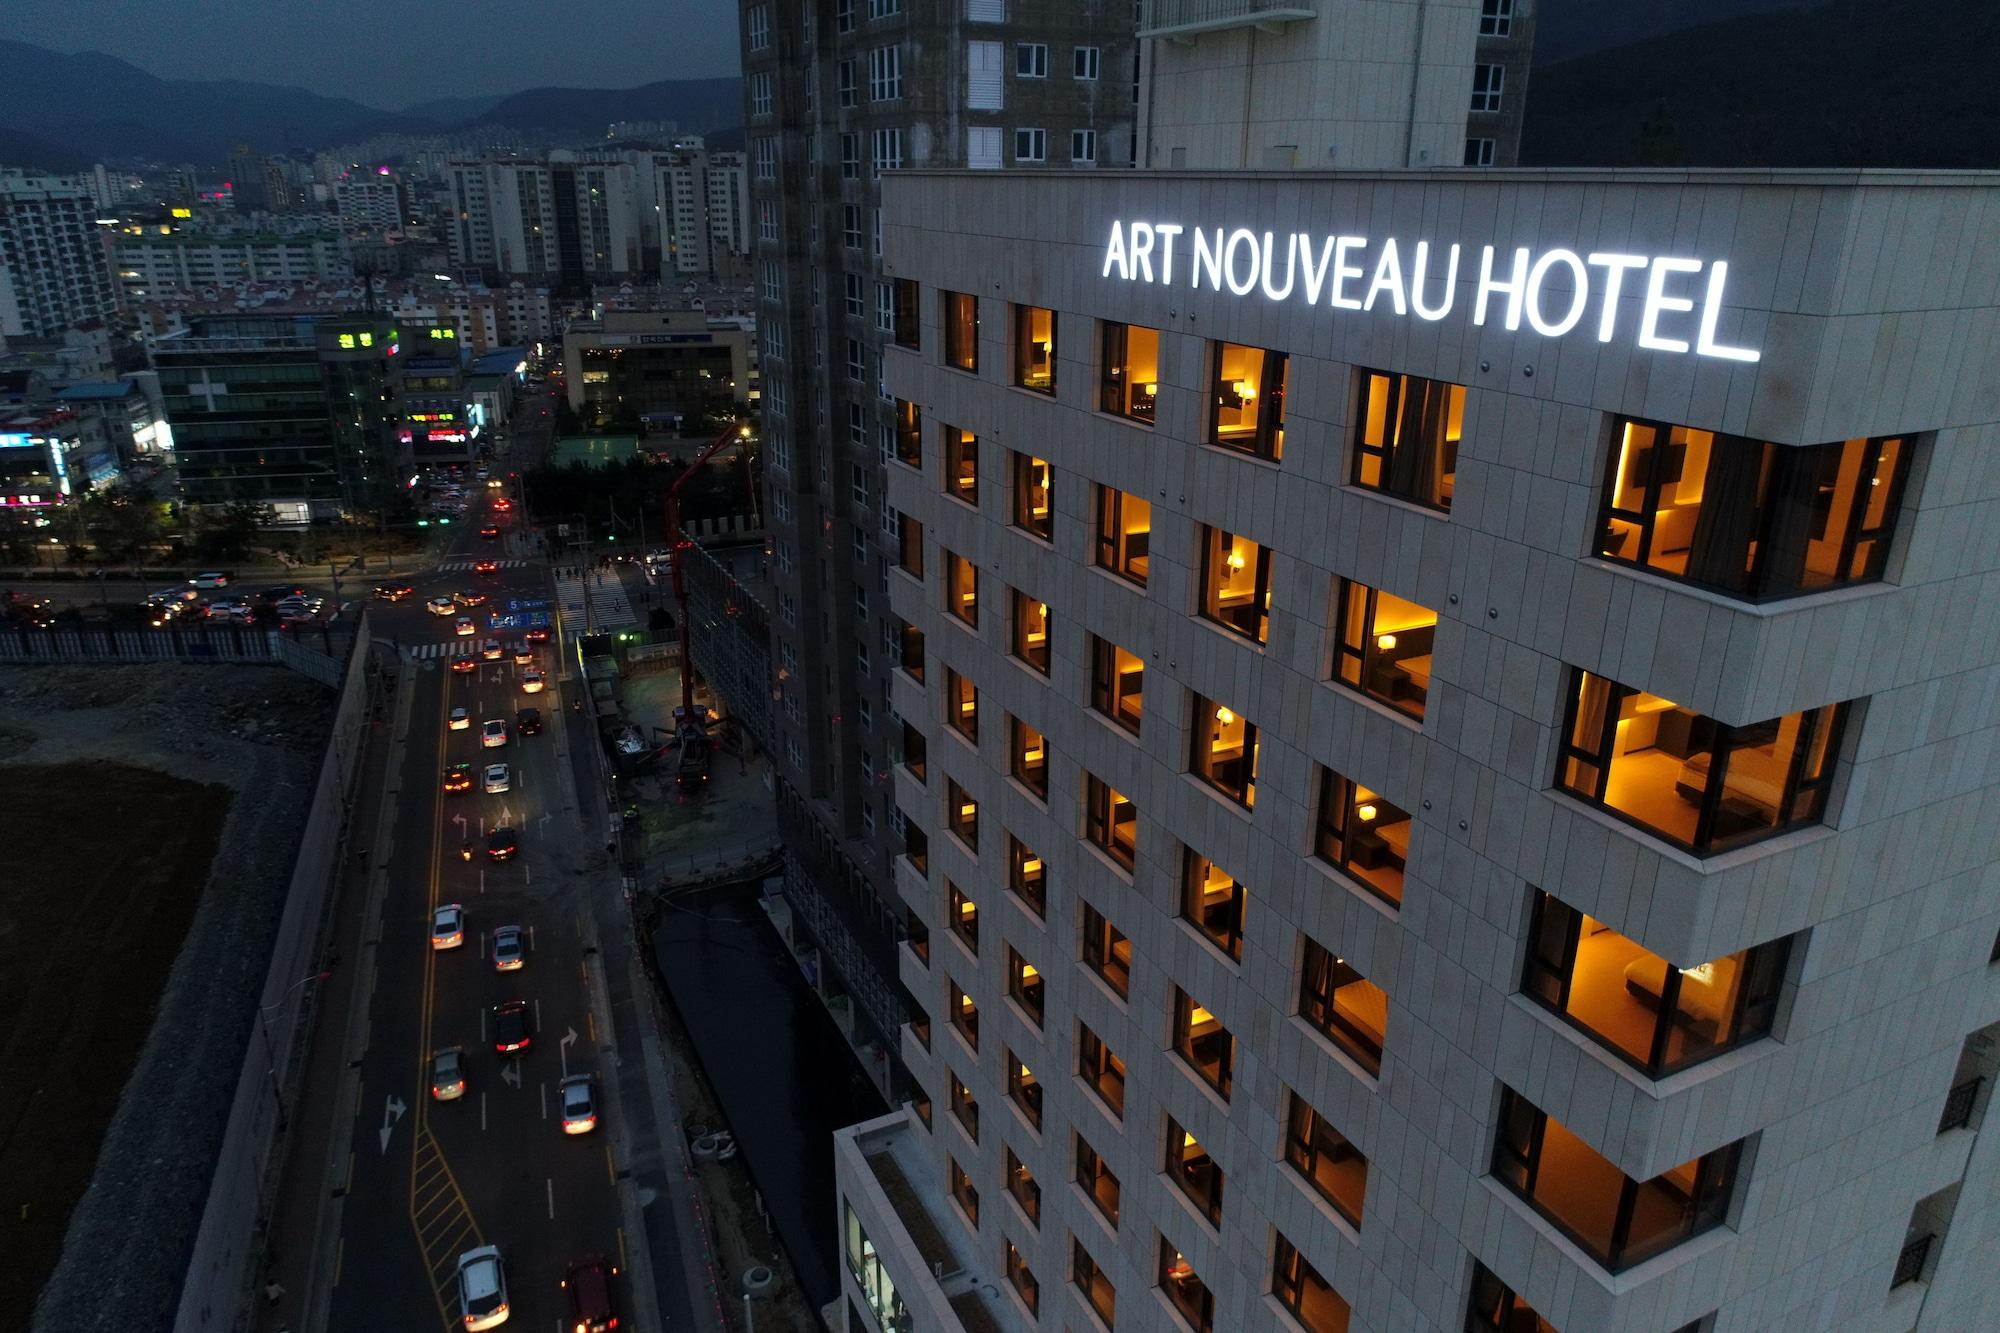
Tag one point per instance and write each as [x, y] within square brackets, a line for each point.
[97, 897]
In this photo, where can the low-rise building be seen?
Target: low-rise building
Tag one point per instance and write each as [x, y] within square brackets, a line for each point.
[667, 368]
[120, 416]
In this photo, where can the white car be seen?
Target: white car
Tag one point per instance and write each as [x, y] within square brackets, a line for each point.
[494, 733]
[496, 779]
[210, 579]
[447, 1075]
[579, 1105]
[460, 720]
[510, 949]
[465, 629]
[531, 681]
[442, 606]
[482, 1289]
[448, 927]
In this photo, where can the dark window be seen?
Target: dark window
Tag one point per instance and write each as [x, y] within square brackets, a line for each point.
[1307, 1296]
[1111, 821]
[1692, 780]
[1107, 952]
[1236, 583]
[1117, 681]
[1755, 520]
[1406, 441]
[961, 815]
[1026, 986]
[1129, 378]
[1031, 631]
[1188, 1294]
[1022, 1278]
[961, 330]
[964, 1107]
[1097, 1179]
[1028, 758]
[1249, 394]
[1102, 1070]
[1352, 1011]
[961, 705]
[1034, 497]
[1223, 751]
[1024, 1089]
[1027, 877]
[1124, 533]
[1035, 348]
[962, 1191]
[910, 652]
[1619, 1220]
[1194, 1171]
[1213, 902]
[1363, 834]
[1202, 1041]
[908, 325]
[1325, 1157]
[1639, 1005]
[909, 435]
[1385, 646]
[1097, 1290]
[961, 465]
[915, 752]
[910, 546]
[962, 915]
[920, 1028]
[1027, 1191]
[1494, 1308]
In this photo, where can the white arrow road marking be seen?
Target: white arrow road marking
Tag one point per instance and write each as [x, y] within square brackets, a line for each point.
[562, 1048]
[392, 1111]
[460, 819]
[543, 827]
[510, 1073]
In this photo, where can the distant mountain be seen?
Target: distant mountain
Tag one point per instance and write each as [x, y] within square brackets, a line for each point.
[1852, 83]
[25, 150]
[695, 105]
[1565, 29]
[453, 110]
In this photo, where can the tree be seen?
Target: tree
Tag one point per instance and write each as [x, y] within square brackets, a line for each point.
[127, 527]
[227, 533]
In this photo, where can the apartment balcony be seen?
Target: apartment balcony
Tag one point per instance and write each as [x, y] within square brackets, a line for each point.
[1183, 19]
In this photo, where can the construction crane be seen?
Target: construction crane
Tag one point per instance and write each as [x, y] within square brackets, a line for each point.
[679, 544]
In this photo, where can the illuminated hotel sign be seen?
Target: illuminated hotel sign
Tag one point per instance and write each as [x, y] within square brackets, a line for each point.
[1555, 291]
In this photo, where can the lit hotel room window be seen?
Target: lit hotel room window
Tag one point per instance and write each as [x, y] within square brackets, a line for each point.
[961, 465]
[1385, 646]
[1124, 530]
[961, 330]
[1236, 583]
[1035, 348]
[1031, 631]
[1034, 503]
[1408, 436]
[1249, 400]
[1129, 380]
[1223, 751]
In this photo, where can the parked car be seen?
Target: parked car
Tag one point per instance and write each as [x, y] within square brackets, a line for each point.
[579, 1104]
[510, 949]
[447, 1075]
[482, 1289]
[510, 1027]
[448, 927]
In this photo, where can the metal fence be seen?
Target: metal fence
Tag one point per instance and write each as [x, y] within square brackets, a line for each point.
[730, 638]
[319, 651]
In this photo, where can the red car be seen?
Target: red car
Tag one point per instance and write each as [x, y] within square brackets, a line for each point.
[489, 532]
[486, 567]
[537, 635]
[465, 666]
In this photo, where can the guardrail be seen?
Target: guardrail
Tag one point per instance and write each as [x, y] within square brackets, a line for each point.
[317, 651]
[1169, 18]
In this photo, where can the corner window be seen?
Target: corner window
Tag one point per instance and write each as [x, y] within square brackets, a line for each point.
[1097, 1180]
[1223, 751]
[1385, 646]
[961, 703]
[1103, 1071]
[1117, 681]
[1236, 583]
[1025, 986]
[907, 324]
[1306, 1296]
[1249, 394]
[1035, 348]
[961, 330]
[1204, 1044]
[1027, 876]
[1488, 82]
[1185, 1290]
[1407, 436]
[1690, 779]
[961, 465]
[1030, 641]
[961, 588]
[1197, 1174]
[1034, 497]
[1652, 1014]
[962, 1192]
[1494, 1308]
[1106, 952]
[961, 815]
[964, 1107]
[962, 915]
[909, 435]
[1111, 822]
[1619, 1220]
[1124, 531]
[1213, 901]
[1129, 373]
[1028, 757]
[916, 847]
[1332, 1165]
[1753, 520]
[1098, 1293]
[1362, 834]
[1345, 1007]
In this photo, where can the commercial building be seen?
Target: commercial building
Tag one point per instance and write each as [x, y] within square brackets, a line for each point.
[37, 449]
[669, 369]
[1449, 753]
[118, 418]
[54, 270]
[432, 405]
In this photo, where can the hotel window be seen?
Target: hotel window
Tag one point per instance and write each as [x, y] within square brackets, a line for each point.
[856, 298]
[964, 1016]
[1106, 952]
[885, 308]
[1031, 631]
[1084, 62]
[1306, 1296]
[1249, 394]
[961, 330]
[907, 324]
[1031, 60]
[865, 1263]
[962, 1192]
[1117, 680]
[1754, 520]
[961, 588]
[916, 846]
[1659, 1017]
[1362, 834]
[1202, 1041]
[910, 546]
[1188, 1294]
[1025, 985]
[1124, 531]
[1098, 1293]
[885, 73]
[1223, 751]
[1102, 1070]
[1129, 378]
[962, 915]
[1385, 646]
[1496, 18]
[1083, 147]
[882, 9]
[961, 815]
[1028, 758]
[910, 652]
[1031, 145]
[915, 753]
[1035, 348]
[1322, 1154]
[909, 435]
[1197, 1174]
[1097, 1180]
[982, 147]
[1027, 877]
[1690, 779]
[1494, 1308]
[1024, 1090]
[1348, 1009]
[1236, 583]
[961, 465]
[1021, 1278]
[1487, 82]
[1111, 822]
[1025, 1189]
[1479, 152]
[1212, 901]
[1034, 502]
[1619, 1220]
[1406, 443]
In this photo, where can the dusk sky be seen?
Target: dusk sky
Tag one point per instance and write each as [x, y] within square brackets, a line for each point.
[391, 53]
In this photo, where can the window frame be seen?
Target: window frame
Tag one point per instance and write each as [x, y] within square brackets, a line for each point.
[1021, 639]
[1334, 839]
[1186, 1008]
[1200, 1179]
[1091, 1161]
[1097, 1064]
[1028, 353]
[1106, 698]
[961, 330]
[1364, 656]
[1022, 765]
[1214, 542]
[960, 473]
[1113, 552]
[1101, 824]
[1266, 440]
[962, 720]
[1098, 951]
[1027, 877]
[1206, 723]
[1323, 974]
[1196, 907]
[1396, 454]
[1114, 374]
[1024, 517]
[1304, 1150]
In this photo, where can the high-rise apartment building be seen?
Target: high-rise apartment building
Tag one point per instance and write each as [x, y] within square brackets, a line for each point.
[368, 201]
[570, 217]
[1450, 754]
[163, 258]
[840, 95]
[54, 269]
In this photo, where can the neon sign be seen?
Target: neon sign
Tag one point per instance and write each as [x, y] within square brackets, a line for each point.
[1554, 290]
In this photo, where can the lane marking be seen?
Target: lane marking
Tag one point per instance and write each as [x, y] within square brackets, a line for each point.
[550, 1182]
[482, 1110]
[543, 1088]
[623, 1262]
[340, 1259]
[610, 1172]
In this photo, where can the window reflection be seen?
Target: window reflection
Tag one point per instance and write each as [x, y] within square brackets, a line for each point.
[1249, 396]
[1129, 381]
[1385, 646]
[1408, 434]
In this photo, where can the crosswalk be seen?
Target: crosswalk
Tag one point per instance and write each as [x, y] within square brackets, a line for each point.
[610, 609]
[466, 566]
[421, 652]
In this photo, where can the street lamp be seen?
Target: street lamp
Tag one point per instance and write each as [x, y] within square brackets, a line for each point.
[270, 1056]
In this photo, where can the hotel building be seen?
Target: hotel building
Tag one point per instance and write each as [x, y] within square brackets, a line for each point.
[1448, 753]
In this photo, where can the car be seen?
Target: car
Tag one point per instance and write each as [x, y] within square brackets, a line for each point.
[482, 1289]
[210, 579]
[458, 778]
[448, 927]
[491, 650]
[588, 1282]
[469, 598]
[465, 629]
[537, 635]
[523, 654]
[489, 532]
[495, 779]
[528, 721]
[283, 590]
[531, 681]
[493, 483]
[459, 719]
[236, 610]
[464, 666]
[502, 505]
[510, 949]
[447, 1075]
[510, 1027]
[441, 606]
[493, 734]
[502, 843]
[486, 567]
[579, 1104]
[393, 592]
